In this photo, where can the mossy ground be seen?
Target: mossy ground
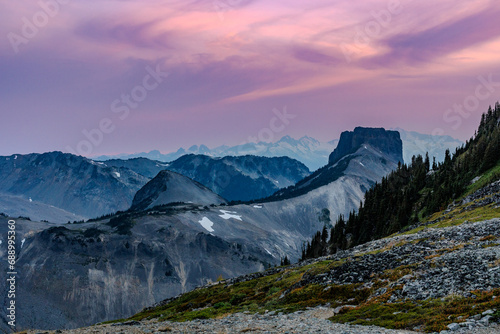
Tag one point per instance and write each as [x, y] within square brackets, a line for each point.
[490, 176]
[458, 216]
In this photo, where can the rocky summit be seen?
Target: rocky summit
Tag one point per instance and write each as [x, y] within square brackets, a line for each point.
[388, 142]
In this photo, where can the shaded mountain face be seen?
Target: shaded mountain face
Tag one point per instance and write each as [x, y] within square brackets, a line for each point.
[387, 142]
[143, 166]
[170, 187]
[68, 182]
[241, 178]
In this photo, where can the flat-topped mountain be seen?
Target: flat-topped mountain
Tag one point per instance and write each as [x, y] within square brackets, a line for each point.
[387, 142]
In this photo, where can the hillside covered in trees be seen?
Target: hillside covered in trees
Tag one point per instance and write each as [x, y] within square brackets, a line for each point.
[415, 191]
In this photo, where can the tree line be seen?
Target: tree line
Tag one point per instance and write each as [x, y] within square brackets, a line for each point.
[413, 191]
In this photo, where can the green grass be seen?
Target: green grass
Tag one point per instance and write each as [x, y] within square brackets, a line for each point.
[490, 176]
[455, 217]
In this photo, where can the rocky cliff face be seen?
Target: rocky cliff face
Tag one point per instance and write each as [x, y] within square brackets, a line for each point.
[169, 187]
[80, 274]
[387, 142]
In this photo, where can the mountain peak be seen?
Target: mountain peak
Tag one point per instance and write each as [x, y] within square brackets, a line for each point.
[168, 187]
[388, 142]
[287, 139]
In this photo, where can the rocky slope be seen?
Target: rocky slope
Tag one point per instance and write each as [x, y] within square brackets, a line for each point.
[388, 142]
[443, 276]
[80, 274]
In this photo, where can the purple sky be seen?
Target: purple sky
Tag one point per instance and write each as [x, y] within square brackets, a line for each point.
[66, 67]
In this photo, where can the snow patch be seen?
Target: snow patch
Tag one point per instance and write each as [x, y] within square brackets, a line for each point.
[229, 214]
[22, 242]
[0, 242]
[15, 157]
[269, 252]
[30, 200]
[117, 174]
[477, 178]
[361, 164]
[207, 224]
[258, 206]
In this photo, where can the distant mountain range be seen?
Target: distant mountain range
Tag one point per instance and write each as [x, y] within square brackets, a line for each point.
[60, 187]
[90, 271]
[311, 152]
[234, 178]
[307, 150]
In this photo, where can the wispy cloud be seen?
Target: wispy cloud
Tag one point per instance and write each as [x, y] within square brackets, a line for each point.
[225, 73]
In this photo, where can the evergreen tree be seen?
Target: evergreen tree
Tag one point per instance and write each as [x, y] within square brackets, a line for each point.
[410, 191]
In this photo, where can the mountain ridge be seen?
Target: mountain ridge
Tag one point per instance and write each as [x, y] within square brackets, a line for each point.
[308, 150]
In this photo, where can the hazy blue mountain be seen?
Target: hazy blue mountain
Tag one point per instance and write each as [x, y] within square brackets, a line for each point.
[311, 152]
[307, 150]
[71, 183]
[242, 177]
[415, 143]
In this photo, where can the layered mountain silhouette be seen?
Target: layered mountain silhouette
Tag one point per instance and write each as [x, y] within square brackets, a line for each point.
[89, 272]
[310, 151]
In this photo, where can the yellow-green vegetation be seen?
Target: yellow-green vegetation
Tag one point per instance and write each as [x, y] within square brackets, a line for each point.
[458, 216]
[387, 247]
[490, 176]
[429, 315]
[395, 274]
